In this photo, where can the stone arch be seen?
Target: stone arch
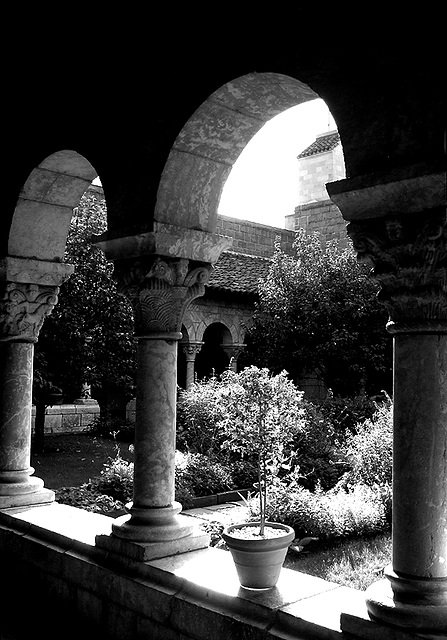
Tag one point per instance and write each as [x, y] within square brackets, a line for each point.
[44, 208]
[209, 144]
[212, 357]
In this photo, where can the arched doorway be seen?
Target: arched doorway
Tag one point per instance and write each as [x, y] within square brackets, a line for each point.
[212, 359]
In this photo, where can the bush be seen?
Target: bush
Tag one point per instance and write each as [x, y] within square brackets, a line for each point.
[346, 414]
[318, 456]
[202, 475]
[116, 479]
[199, 413]
[87, 497]
[370, 450]
[330, 515]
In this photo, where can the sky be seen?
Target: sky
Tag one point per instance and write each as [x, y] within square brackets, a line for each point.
[262, 186]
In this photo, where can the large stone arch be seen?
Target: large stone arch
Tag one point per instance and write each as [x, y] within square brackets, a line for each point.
[209, 144]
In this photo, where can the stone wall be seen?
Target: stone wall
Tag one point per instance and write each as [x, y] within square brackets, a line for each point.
[324, 217]
[253, 238]
[68, 418]
[315, 171]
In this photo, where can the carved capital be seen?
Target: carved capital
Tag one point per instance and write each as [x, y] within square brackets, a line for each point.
[409, 257]
[160, 290]
[191, 349]
[23, 308]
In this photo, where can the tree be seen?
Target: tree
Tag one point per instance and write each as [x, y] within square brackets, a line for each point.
[89, 335]
[263, 413]
[318, 311]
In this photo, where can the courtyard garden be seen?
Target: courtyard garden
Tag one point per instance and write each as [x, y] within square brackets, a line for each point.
[332, 483]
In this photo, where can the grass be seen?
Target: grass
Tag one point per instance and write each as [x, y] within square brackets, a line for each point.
[354, 563]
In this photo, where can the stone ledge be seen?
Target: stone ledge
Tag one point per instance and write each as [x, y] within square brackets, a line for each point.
[200, 590]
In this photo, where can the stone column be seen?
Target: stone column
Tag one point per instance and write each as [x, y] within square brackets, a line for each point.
[24, 304]
[409, 254]
[160, 291]
[233, 351]
[191, 349]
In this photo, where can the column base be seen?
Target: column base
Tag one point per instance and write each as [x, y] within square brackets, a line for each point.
[152, 524]
[152, 533]
[423, 613]
[34, 496]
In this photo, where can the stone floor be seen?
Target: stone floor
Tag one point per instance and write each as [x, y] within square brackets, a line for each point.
[227, 513]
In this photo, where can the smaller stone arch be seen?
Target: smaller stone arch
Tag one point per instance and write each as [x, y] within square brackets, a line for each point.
[213, 358]
[45, 204]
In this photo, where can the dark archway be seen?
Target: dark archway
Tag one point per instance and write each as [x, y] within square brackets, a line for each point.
[212, 359]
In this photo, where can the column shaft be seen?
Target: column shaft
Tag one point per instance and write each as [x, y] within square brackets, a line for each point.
[17, 486]
[154, 470]
[16, 377]
[420, 456]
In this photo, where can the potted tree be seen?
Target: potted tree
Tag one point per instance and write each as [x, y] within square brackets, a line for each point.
[263, 413]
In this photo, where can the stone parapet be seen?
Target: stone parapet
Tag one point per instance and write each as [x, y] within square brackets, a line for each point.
[194, 595]
[68, 418]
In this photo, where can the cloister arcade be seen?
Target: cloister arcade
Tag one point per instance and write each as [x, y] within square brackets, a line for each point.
[163, 155]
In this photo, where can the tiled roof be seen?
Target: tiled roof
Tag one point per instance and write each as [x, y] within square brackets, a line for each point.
[322, 143]
[238, 273]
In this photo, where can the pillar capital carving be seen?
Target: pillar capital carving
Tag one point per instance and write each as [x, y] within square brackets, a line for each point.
[28, 293]
[409, 257]
[160, 290]
[23, 308]
[191, 349]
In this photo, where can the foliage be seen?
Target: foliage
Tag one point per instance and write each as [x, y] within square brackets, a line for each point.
[262, 414]
[89, 335]
[200, 418]
[345, 414]
[116, 479]
[327, 515]
[202, 475]
[370, 454]
[89, 498]
[200, 411]
[318, 311]
[318, 455]
[117, 428]
[370, 449]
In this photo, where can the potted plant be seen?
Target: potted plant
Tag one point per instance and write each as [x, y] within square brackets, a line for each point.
[263, 413]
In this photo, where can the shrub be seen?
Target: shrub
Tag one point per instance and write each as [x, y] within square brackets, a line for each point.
[116, 479]
[318, 454]
[199, 413]
[330, 515]
[370, 450]
[346, 414]
[203, 476]
[87, 497]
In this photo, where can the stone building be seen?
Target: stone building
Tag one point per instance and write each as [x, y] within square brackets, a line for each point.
[320, 163]
[175, 112]
[215, 325]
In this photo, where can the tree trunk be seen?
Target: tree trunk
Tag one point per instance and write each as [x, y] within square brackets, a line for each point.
[39, 428]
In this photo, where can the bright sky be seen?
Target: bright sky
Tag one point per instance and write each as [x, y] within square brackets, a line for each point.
[262, 186]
